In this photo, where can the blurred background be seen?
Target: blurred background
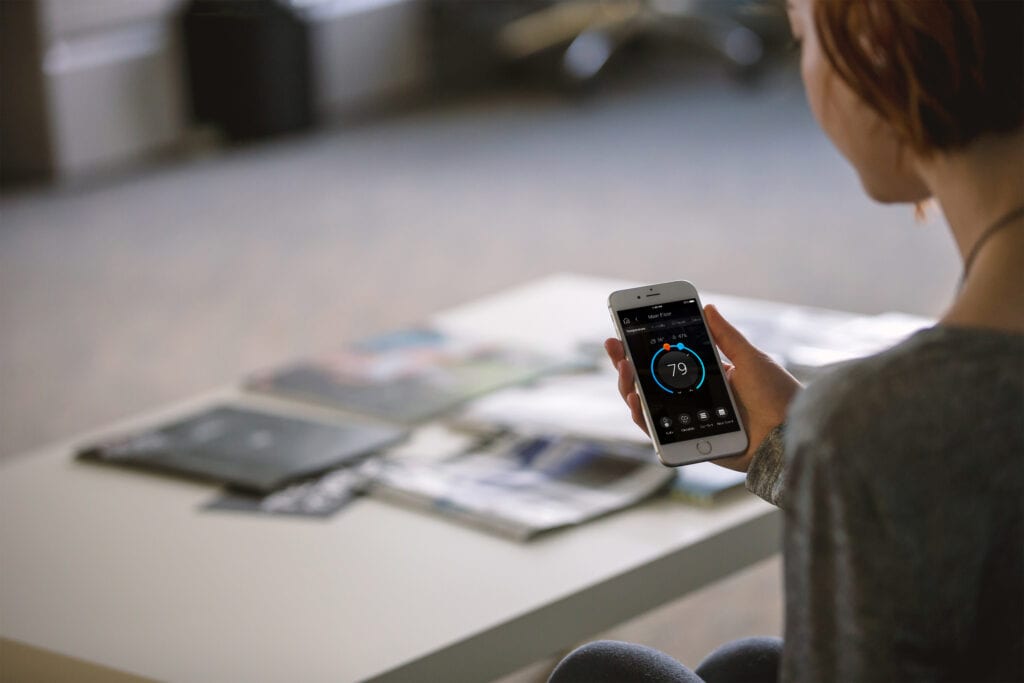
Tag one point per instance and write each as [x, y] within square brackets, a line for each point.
[195, 189]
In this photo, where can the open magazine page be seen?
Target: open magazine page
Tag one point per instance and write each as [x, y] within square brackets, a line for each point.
[407, 376]
[587, 406]
[808, 340]
[519, 487]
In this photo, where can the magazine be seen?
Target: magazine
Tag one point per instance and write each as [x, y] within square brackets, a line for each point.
[807, 341]
[407, 376]
[704, 483]
[519, 487]
[324, 495]
[246, 448]
[319, 497]
[587, 406]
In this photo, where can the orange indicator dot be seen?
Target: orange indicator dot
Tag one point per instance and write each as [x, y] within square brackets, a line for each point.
[667, 347]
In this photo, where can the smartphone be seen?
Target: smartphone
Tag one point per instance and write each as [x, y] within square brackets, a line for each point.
[688, 406]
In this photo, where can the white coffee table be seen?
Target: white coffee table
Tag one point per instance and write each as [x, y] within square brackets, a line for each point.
[124, 570]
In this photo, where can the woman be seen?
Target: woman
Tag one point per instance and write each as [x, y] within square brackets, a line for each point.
[901, 475]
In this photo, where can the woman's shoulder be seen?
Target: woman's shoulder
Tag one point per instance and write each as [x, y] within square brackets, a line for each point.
[956, 361]
[940, 385]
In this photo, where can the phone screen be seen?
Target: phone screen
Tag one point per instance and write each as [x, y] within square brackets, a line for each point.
[677, 369]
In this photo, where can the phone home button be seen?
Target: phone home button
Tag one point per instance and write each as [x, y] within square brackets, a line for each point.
[704, 447]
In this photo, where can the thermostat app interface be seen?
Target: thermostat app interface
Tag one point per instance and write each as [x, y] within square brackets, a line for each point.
[675, 364]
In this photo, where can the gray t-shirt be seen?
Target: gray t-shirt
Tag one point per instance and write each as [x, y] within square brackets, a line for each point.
[901, 477]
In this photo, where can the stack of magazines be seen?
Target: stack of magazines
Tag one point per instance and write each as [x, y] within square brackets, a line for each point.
[377, 388]
[493, 435]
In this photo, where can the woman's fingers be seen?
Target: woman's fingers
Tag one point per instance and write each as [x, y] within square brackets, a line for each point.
[729, 368]
[613, 347]
[626, 386]
[617, 354]
[633, 401]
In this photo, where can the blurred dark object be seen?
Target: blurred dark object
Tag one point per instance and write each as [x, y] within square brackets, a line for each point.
[248, 66]
[464, 35]
[25, 144]
[576, 39]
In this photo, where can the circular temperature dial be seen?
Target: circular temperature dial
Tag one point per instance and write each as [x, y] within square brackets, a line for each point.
[676, 368]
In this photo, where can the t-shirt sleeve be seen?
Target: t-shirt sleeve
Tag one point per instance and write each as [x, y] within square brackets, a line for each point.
[765, 474]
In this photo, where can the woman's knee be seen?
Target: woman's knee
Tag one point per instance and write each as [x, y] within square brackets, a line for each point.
[612, 660]
[748, 659]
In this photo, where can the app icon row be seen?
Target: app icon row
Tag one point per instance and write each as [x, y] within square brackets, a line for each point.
[702, 416]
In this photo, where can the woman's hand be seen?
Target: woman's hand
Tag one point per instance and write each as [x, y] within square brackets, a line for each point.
[761, 386]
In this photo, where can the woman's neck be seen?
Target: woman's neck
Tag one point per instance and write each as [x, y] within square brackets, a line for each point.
[976, 187]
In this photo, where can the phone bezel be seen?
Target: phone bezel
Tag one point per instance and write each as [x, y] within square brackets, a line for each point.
[680, 452]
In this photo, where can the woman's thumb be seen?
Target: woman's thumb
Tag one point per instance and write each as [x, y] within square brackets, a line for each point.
[730, 340]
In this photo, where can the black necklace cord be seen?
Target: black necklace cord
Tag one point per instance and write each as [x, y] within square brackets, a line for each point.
[1003, 222]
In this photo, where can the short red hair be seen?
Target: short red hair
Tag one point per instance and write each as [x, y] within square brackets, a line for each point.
[941, 72]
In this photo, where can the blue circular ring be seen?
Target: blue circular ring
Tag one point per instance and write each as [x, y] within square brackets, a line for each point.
[678, 347]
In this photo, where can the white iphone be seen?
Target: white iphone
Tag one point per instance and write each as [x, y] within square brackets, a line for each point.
[688, 405]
